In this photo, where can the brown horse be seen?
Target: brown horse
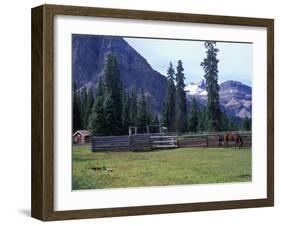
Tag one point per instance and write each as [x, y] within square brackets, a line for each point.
[238, 142]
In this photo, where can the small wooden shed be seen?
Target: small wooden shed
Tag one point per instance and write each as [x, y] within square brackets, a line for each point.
[81, 137]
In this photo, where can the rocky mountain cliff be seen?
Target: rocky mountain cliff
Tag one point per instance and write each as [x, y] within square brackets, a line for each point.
[235, 97]
[88, 62]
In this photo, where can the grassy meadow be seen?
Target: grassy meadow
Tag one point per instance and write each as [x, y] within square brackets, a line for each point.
[158, 168]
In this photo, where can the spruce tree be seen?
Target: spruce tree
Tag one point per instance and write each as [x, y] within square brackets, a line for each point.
[142, 112]
[193, 122]
[164, 116]
[126, 113]
[246, 124]
[112, 127]
[100, 88]
[76, 117]
[224, 121]
[83, 107]
[149, 112]
[203, 119]
[232, 125]
[112, 97]
[97, 121]
[133, 108]
[88, 106]
[181, 108]
[155, 120]
[169, 110]
[210, 67]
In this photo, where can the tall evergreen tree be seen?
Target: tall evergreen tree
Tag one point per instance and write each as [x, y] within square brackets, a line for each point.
[210, 67]
[97, 121]
[246, 124]
[193, 122]
[126, 112]
[224, 122]
[112, 127]
[155, 120]
[169, 111]
[88, 106]
[83, 107]
[232, 125]
[113, 96]
[142, 111]
[203, 119]
[76, 117]
[164, 116]
[133, 108]
[181, 108]
[149, 112]
[100, 88]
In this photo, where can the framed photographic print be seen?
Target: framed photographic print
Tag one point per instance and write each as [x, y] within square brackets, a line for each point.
[141, 112]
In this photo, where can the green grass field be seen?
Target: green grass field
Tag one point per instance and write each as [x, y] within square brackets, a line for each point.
[158, 168]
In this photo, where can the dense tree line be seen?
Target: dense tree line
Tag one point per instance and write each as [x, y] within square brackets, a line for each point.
[114, 108]
[82, 102]
[198, 120]
[175, 115]
[174, 111]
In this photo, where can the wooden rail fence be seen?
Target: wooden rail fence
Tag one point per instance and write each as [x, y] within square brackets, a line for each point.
[211, 140]
[135, 142]
[160, 141]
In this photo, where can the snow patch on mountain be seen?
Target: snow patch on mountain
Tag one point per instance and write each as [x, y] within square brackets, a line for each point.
[197, 88]
[235, 97]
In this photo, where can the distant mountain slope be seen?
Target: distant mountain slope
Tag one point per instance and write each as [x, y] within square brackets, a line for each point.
[235, 97]
[88, 62]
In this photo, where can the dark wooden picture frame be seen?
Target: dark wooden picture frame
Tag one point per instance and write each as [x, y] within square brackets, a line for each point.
[43, 107]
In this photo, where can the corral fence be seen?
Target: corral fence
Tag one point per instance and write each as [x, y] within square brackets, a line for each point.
[162, 141]
[134, 143]
[211, 140]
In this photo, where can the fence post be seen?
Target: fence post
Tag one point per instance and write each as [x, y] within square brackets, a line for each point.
[149, 142]
[130, 142]
[207, 141]
[92, 148]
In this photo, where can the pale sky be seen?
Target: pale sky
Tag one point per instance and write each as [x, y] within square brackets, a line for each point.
[235, 59]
